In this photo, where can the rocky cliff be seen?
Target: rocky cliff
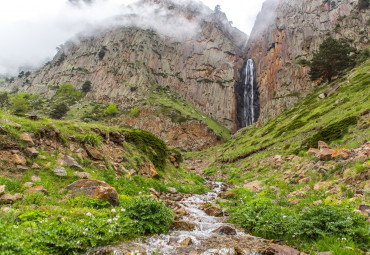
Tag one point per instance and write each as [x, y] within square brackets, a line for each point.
[124, 62]
[287, 31]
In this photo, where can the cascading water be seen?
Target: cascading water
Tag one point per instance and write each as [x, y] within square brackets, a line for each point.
[248, 96]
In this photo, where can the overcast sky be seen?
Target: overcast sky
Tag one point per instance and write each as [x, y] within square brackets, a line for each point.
[31, 29]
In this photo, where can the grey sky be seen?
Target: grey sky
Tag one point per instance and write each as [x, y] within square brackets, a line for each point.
[31, 30]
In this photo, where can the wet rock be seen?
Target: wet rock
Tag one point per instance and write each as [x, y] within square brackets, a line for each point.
[95, 189]
[71, 162]
[18, 159]
[275, 249]
[60, 171]
[148, 170]
[214, 211]
[180, 211]
[183, 225]
[82, 175]
[2, 189]
[32, 152]
[26, 137]
[93, 152]
[186, 242]
[172, 190]
[225, 230]
[37, 189]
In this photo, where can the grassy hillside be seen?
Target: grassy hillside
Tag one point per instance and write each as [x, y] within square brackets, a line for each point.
[54, 221]
[283, 193]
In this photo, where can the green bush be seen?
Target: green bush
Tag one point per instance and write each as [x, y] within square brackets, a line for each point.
[135, 112]
[19, 103]
[59, 111]
[112, 110]
[363, 4]
[150, 216]
[86, 87]
[91, 138]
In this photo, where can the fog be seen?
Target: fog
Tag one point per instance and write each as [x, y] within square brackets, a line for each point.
[31, 30]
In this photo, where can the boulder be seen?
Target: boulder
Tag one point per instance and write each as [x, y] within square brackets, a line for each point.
[275, 249]
[28, 184]
[22, 168]
[71, 162]
[312, 152]
[341, 154]
[35, 178]
[323, 145]
[37, 189]
[325, 154]
[183, 225]
[82, 175]
[186, 242]
[214, 211]
[172, 190]
[60, 171]
[225, 230]
[7, 199]
[32, 152]
[148, 170]
[93, 152]
[95, 189]
[26, 137]
[2, 189]
[18, 159]
[228, 195]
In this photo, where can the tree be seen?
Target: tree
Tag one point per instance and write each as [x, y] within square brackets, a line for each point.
[59, 111]
[18, 104]
[363, 4]
[86, 87]
[333, 57]
[112, 110]
[4, 99]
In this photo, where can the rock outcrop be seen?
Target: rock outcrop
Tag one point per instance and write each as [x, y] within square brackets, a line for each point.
[287, 31]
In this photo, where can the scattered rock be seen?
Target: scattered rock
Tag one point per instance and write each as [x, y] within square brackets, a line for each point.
[7, 199]
[28, 184]
[323, 145]
[18, 159]
[255, 185]
[186, 242]
[154, 192]
[312, 152]
[172, 190]
[325, 154]
[324, 253]
[35, 178]
[26, 137]
[322, 185]
[36, 166]
[22, 168]
[183, 225]
[95, 189]
[60, 171]
[275, 249]
[214, 211]
[32, 152]
[148, 170]
[2, 189]
[42, 157]
[180, 211]
[37, 189]
[71, 162]
[82, 175]
[93, 152]
[364, 208]
[318, 202]
[341, 154]
[225, 230]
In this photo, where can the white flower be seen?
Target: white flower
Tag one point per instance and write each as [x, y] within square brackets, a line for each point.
[140, 193]
[86, 229]
[84, 233]
[115, 219]
[89, 214]
[113, 210]
[78, 243]
[123, 210]
[109, 220]
[344, 239]
[284, 217]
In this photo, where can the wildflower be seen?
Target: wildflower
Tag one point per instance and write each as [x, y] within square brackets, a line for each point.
[109, 220]
[140, 193]
[344, 239]
[110, 231]
[78, 243]
[84, 233]
[113, 210]
[82, 220]
[293, 236]
[115, 219]
[123, 210]
[284, 217]
[86, 229]
[160, 244]
[89, 214]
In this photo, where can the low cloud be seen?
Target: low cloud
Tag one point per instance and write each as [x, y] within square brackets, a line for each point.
[28, 44]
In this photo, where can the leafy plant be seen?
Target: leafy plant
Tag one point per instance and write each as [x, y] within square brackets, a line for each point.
[59, 111]
[112, 110]
[91, 138]
[86, 87]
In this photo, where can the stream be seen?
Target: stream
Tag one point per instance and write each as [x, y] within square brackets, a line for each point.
[202, 240]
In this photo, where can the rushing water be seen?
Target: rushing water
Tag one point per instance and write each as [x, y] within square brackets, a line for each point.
[204, 241]
[248, 105]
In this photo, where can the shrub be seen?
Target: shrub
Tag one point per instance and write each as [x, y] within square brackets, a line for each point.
[112, 110]
[4, 99]
[150, 216]
[135, 112]
[19, 104]
[92, 139]
[363, 4]
[86, 87]
[59, 111]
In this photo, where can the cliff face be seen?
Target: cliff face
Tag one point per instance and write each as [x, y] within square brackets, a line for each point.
[123, 64]
[287, 31]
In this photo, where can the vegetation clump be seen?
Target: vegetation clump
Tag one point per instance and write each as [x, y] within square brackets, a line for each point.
[112, 110]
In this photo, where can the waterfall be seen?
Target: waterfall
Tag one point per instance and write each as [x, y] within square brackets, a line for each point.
[250, 96]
